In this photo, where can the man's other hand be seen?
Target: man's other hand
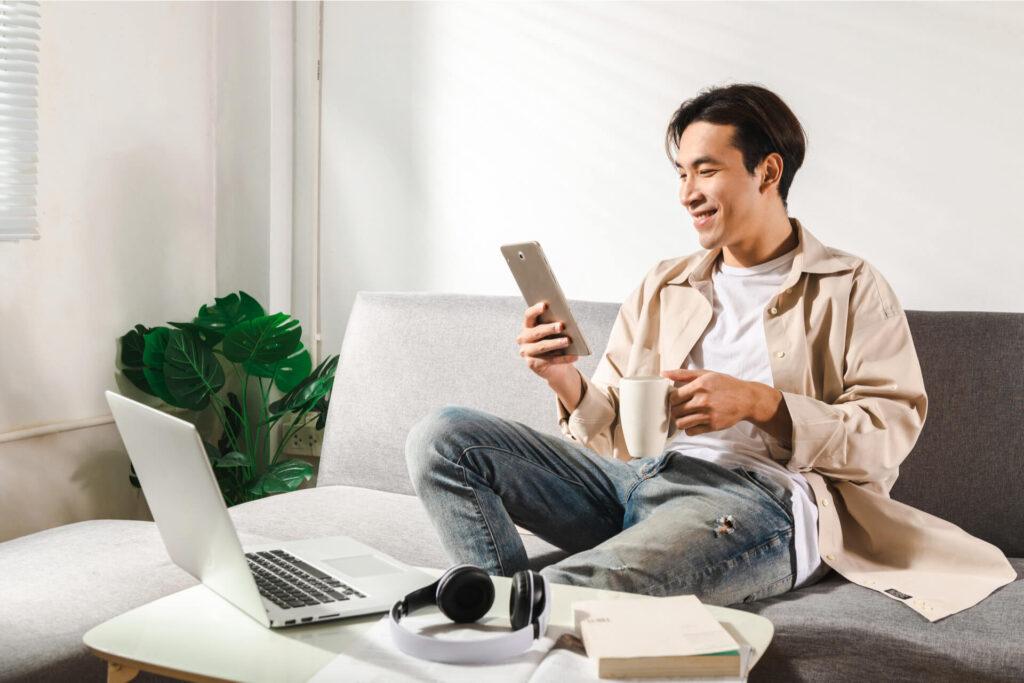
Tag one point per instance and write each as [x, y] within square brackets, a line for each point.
[705, 401]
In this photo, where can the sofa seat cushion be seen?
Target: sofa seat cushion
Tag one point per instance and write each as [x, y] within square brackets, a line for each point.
[395, 523]
[835, 630]
[59, 583]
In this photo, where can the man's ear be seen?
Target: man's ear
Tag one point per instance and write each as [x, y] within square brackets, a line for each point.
[771, 171]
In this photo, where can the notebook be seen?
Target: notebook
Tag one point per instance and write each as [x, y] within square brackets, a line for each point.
[279, 585]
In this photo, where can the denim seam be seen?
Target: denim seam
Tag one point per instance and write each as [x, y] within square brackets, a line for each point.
[787, 511]
[528, 462]
[641, 478]
[632, 489]
[480, 511]
[785, 581]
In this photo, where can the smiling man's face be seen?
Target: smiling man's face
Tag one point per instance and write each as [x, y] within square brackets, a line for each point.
[726, 202]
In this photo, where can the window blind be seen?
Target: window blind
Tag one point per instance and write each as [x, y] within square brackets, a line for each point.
[19, 73]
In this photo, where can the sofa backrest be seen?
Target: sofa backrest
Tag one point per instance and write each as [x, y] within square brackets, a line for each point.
[405, 354]
[968, 464]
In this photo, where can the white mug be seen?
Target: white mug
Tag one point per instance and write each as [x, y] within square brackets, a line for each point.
[644, 414]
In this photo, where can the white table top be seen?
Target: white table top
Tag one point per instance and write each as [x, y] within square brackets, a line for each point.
[197, 635]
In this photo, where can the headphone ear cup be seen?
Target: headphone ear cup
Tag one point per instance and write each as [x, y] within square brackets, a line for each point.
[465, 594]
[526, 599]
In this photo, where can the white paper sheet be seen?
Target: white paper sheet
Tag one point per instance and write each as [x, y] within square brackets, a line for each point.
[375, 658]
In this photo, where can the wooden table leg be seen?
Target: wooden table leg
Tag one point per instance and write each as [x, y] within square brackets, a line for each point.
[118, 673]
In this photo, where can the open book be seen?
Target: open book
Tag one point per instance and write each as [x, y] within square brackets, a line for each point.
[656, 638]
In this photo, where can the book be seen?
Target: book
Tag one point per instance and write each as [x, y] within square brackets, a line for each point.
[657, 638]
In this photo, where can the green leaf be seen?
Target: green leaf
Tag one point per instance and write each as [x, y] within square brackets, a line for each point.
[153, 358]
[264, 340]
[227, 477]
[155, 347]
[281, 477]
[193, 373]
[309, 393]
[228, 312]
[206, 335]
[287, 373]
[321, 412]
[306, 394]
[137, 376]
[231, 422]
[232, 459]
[132, 346]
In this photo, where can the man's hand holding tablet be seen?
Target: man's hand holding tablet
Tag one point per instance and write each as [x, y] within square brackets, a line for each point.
[550, 340]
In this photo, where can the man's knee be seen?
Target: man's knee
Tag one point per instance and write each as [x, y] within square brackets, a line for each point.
[436, 435]
[596, 569]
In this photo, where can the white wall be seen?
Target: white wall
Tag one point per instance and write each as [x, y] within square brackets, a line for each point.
[165, 179]
[306, 173]
[254, 95]
[451, 128]
[127, 203]
[374, 215]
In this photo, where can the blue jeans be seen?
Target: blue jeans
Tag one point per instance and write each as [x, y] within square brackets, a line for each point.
[658, 526]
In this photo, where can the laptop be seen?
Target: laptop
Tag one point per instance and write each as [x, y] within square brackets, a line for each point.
[279, 585]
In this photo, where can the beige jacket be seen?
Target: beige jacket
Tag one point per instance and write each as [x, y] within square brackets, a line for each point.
[842, 356]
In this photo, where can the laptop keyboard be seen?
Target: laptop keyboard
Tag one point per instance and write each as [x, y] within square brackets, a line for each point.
[289, 582]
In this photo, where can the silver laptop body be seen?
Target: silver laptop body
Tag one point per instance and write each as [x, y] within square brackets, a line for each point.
[186, 503]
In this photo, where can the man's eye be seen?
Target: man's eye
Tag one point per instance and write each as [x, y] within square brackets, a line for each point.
[709, 171]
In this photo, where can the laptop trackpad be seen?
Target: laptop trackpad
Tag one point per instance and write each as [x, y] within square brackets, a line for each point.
[358, 566]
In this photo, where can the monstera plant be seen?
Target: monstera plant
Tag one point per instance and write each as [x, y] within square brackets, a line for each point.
[248, 367]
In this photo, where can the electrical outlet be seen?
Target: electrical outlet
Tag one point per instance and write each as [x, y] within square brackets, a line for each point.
[307, 441]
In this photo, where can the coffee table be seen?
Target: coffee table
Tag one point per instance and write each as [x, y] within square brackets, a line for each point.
[195, 635]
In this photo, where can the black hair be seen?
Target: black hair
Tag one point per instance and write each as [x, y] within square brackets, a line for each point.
[764, 124]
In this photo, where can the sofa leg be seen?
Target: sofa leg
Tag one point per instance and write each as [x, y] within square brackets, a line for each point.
[118, 673]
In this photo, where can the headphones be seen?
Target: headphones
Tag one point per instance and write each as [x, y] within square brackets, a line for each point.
[465, 593]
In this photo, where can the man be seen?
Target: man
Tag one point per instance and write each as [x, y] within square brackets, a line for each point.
[797, 393]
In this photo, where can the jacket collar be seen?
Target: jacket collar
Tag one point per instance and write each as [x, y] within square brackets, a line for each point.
[811, 257]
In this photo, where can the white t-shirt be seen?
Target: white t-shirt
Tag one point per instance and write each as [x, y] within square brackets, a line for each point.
[735, 344]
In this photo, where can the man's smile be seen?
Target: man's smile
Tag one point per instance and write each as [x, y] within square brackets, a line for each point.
[702, 218]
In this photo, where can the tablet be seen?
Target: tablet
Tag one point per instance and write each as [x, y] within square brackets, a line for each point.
[537, 283]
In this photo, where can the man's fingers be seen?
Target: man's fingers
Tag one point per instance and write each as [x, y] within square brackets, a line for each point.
[530, 317]
[682, 374]
[689, 408]
[542, 347]
[692, 420]
[541, 331]
[530, 335]
[683, 394]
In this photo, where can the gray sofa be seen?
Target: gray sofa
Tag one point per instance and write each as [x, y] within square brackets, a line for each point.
[404, 354]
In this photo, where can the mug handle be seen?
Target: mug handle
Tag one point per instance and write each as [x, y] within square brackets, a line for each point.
[671, 431]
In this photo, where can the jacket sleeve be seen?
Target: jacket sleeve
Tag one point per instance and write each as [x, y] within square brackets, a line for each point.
[595, 421]
[865, 433]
